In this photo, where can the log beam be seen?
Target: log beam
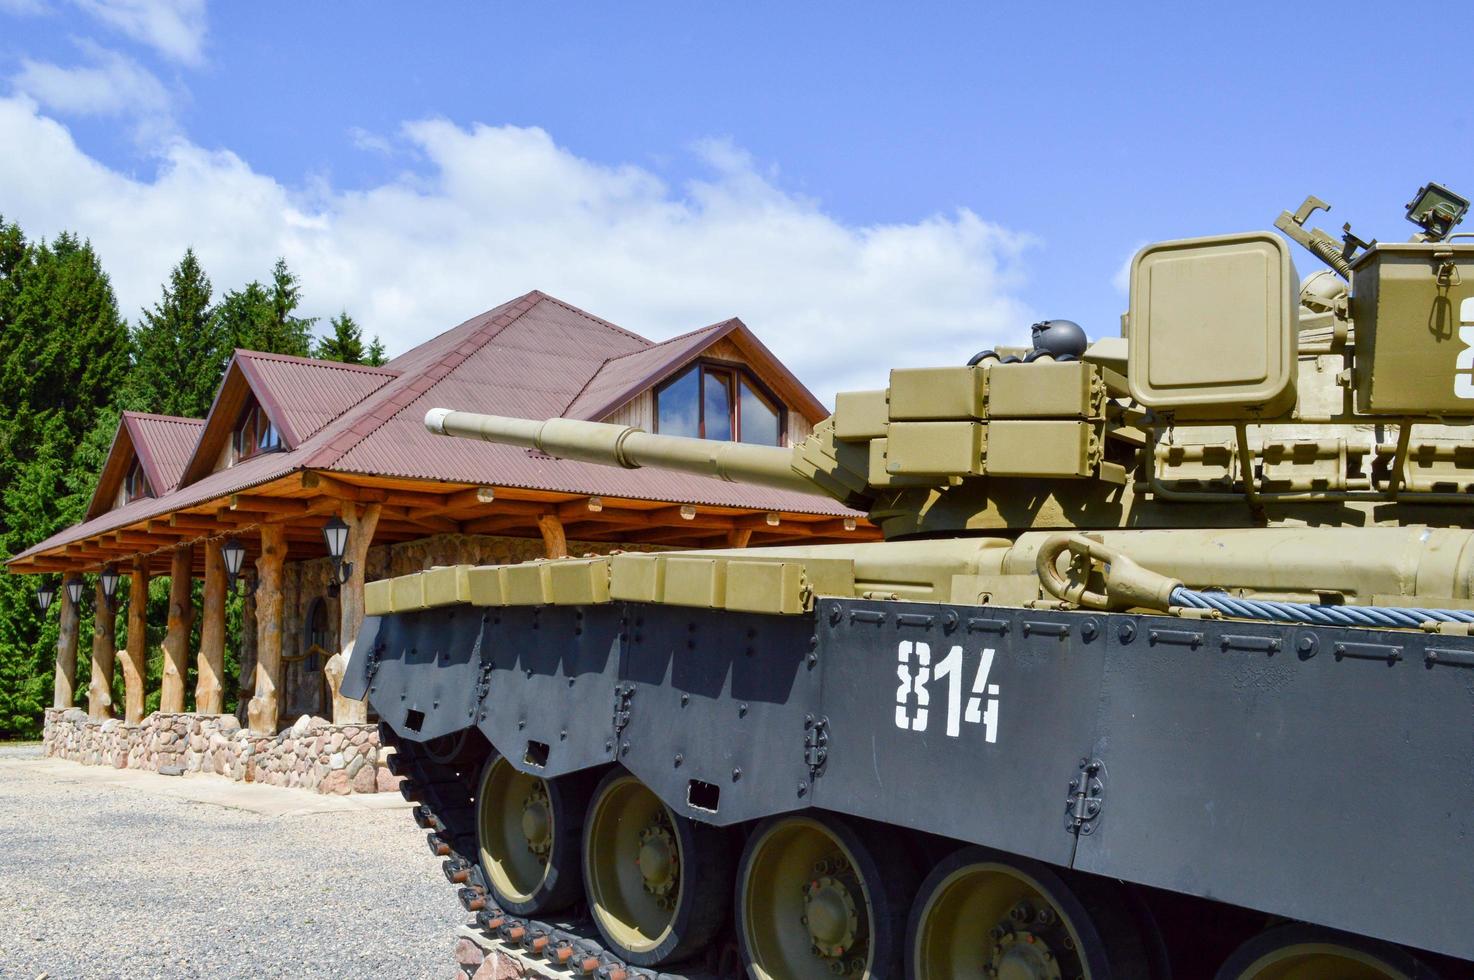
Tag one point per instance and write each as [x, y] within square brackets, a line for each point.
[362, 521]
[264, 705]
[104, 653]
[209, 691]
[176, 639]
[135, 661]
[64, 688]
[555, 540]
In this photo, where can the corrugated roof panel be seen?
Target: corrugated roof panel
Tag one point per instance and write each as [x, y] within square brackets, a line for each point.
[169, 441]
[309, 394]
[621, 378]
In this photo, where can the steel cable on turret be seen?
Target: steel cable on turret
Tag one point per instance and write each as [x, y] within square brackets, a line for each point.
[1405, 617]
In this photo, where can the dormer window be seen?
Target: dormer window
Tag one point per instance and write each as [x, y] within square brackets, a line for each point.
[255, 434]
[135, 484]
[719, 401]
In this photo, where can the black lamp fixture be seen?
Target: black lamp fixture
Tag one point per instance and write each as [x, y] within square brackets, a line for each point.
[109, 579]
[45, 592]
[74, 592]
[335, 533]
[234, 556]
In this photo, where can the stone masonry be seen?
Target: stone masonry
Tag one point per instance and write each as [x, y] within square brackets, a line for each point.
[313, 754]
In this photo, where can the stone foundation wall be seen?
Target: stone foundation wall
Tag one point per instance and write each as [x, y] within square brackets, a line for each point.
[313, 754]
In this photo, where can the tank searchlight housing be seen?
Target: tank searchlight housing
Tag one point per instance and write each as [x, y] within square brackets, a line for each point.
[1436, 210]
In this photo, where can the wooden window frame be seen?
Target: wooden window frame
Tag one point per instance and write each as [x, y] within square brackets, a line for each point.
[129, 492]
[253, 412]
[737, 372]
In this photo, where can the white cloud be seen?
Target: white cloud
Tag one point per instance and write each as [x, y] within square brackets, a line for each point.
[110, 85]
[501, 210]
[174, 28]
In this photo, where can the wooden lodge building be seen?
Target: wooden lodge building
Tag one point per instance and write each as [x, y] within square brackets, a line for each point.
[291, 443]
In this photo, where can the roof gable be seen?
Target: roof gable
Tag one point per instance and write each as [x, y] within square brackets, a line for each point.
[299, 395]
[622, 378]
[162, 445]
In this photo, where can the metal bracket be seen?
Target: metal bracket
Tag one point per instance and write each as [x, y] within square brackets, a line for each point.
[371, 664]
[1086, 798]
[623, 694]
[483, 679]
[816, 744]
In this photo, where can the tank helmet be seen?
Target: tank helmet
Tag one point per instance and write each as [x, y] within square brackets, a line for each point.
[1061, 338]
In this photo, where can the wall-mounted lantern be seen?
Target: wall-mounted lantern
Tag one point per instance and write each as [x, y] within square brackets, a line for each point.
[109, 579]
[335, 534]
[45, 592]
[235, 556]
[74, 591]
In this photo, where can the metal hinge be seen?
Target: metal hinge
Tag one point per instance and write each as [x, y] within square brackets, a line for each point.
[483, 679]
[623, 693]
[816, 743]
[371, 665]
[1086, 799]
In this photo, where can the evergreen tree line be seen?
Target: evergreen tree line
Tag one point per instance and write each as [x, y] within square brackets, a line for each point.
[69, 365]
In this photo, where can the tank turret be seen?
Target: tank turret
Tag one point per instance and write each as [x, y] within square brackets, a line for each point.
[1233, 383]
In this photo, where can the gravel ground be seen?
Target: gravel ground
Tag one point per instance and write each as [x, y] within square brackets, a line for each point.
[113, 881]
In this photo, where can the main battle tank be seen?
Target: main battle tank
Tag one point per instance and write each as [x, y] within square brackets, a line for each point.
[1163, 668]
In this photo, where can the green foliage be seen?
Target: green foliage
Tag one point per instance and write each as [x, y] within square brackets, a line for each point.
[376, 356]
[63, 354]
[264, 318]
[180, 347]
[344, 344]
[68, 365]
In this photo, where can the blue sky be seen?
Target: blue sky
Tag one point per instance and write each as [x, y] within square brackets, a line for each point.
[864, 183]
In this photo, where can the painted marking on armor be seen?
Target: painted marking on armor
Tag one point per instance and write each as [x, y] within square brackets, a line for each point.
[1464, 367]
[915, 671]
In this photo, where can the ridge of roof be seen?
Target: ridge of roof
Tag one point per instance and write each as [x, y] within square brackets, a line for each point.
[727, 323]
[353, 426]
[596, 319]
[317, 362]
[153, 417]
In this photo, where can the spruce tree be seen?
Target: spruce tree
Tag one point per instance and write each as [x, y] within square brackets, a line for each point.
[63, 357]
[264, 318]
[344, 344]
[376, 356]
[180, 347]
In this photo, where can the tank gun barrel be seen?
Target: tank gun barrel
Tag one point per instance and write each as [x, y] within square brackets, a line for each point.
[628, 446]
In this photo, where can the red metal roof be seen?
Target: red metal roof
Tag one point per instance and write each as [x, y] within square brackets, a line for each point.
[302, 395]
[533, 357]
[621, 378]
[164, 444]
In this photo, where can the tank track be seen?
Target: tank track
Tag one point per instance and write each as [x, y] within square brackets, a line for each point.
[445, 809]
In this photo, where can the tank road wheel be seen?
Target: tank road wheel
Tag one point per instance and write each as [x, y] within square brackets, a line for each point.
[1300, 952]
[453, 749]
[658, 884]
[528, 832]
[986, 914]
[814, 901]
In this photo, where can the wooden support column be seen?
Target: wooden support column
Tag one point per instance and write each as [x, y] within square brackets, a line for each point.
[209, 691]
[738, 537]
[65, 687]
[135, 662]
[104, 653]
[176, 640]
[264, 705]
[247, 680]
[555, 542]
[362, 520]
